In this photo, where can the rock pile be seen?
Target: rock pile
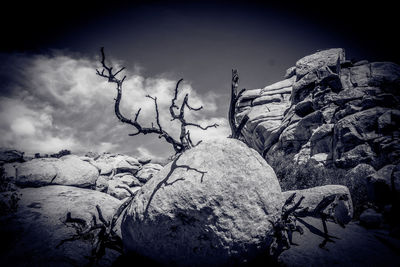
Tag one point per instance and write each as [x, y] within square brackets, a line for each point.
[105, 173]
[334, 113]
[37, 195]
[329, 109]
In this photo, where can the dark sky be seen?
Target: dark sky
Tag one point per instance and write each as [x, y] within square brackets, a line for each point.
[200, 41]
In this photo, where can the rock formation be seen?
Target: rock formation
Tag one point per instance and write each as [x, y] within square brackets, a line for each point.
[328, 109]
[37, 195]
[213, 205]
[334, 113]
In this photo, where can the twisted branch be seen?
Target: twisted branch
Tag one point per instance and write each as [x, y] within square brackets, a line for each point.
[184, 141]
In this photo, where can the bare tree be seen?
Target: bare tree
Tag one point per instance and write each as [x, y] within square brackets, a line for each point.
[235, 95]
[177, 112]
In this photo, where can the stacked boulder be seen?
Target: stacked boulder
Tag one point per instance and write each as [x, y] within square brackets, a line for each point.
[329, 109]
[332, 112]
[106, 173]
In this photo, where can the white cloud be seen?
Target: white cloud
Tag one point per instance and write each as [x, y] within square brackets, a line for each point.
[23, 126]
[58, 102]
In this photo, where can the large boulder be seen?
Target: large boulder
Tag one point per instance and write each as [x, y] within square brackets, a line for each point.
[32, 233]
[330, 58]
[68, 170]
[213, 205]
[341, 210]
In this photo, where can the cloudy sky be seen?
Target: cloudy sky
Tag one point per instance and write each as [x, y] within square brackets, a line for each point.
[51, 98]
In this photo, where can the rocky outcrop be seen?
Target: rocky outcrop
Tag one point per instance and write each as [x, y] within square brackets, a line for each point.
[328, 109]
[211, 206]
[105, 173]
[32, 235]
[68, 170]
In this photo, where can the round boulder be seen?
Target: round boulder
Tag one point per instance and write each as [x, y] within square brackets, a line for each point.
[213, 205]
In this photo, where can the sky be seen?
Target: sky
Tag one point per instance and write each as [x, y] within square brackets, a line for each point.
[52, 99]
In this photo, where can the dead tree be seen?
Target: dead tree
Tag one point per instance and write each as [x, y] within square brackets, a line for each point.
[102, 235]
[177, 112]
[284, 227]
[235, 95]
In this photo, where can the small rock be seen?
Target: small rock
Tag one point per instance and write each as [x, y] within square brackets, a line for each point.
[371, 219]
[148, 171]
[102, 183]
[129, 180]
[114, 190]
[144, 160]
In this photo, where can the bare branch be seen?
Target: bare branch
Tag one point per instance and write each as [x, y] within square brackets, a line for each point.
[137, 114]
[184, 142]
[192, 108]
[157, 112]
[215, 125]
[101, 218]
[174, 99]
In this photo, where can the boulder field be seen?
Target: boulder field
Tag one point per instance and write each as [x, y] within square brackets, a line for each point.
[220, 203]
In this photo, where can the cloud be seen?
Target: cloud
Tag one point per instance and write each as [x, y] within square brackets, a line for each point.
[54, 102]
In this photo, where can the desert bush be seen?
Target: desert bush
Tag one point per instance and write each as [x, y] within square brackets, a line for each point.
[8, 196]
[61, 153]
[293, 176]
